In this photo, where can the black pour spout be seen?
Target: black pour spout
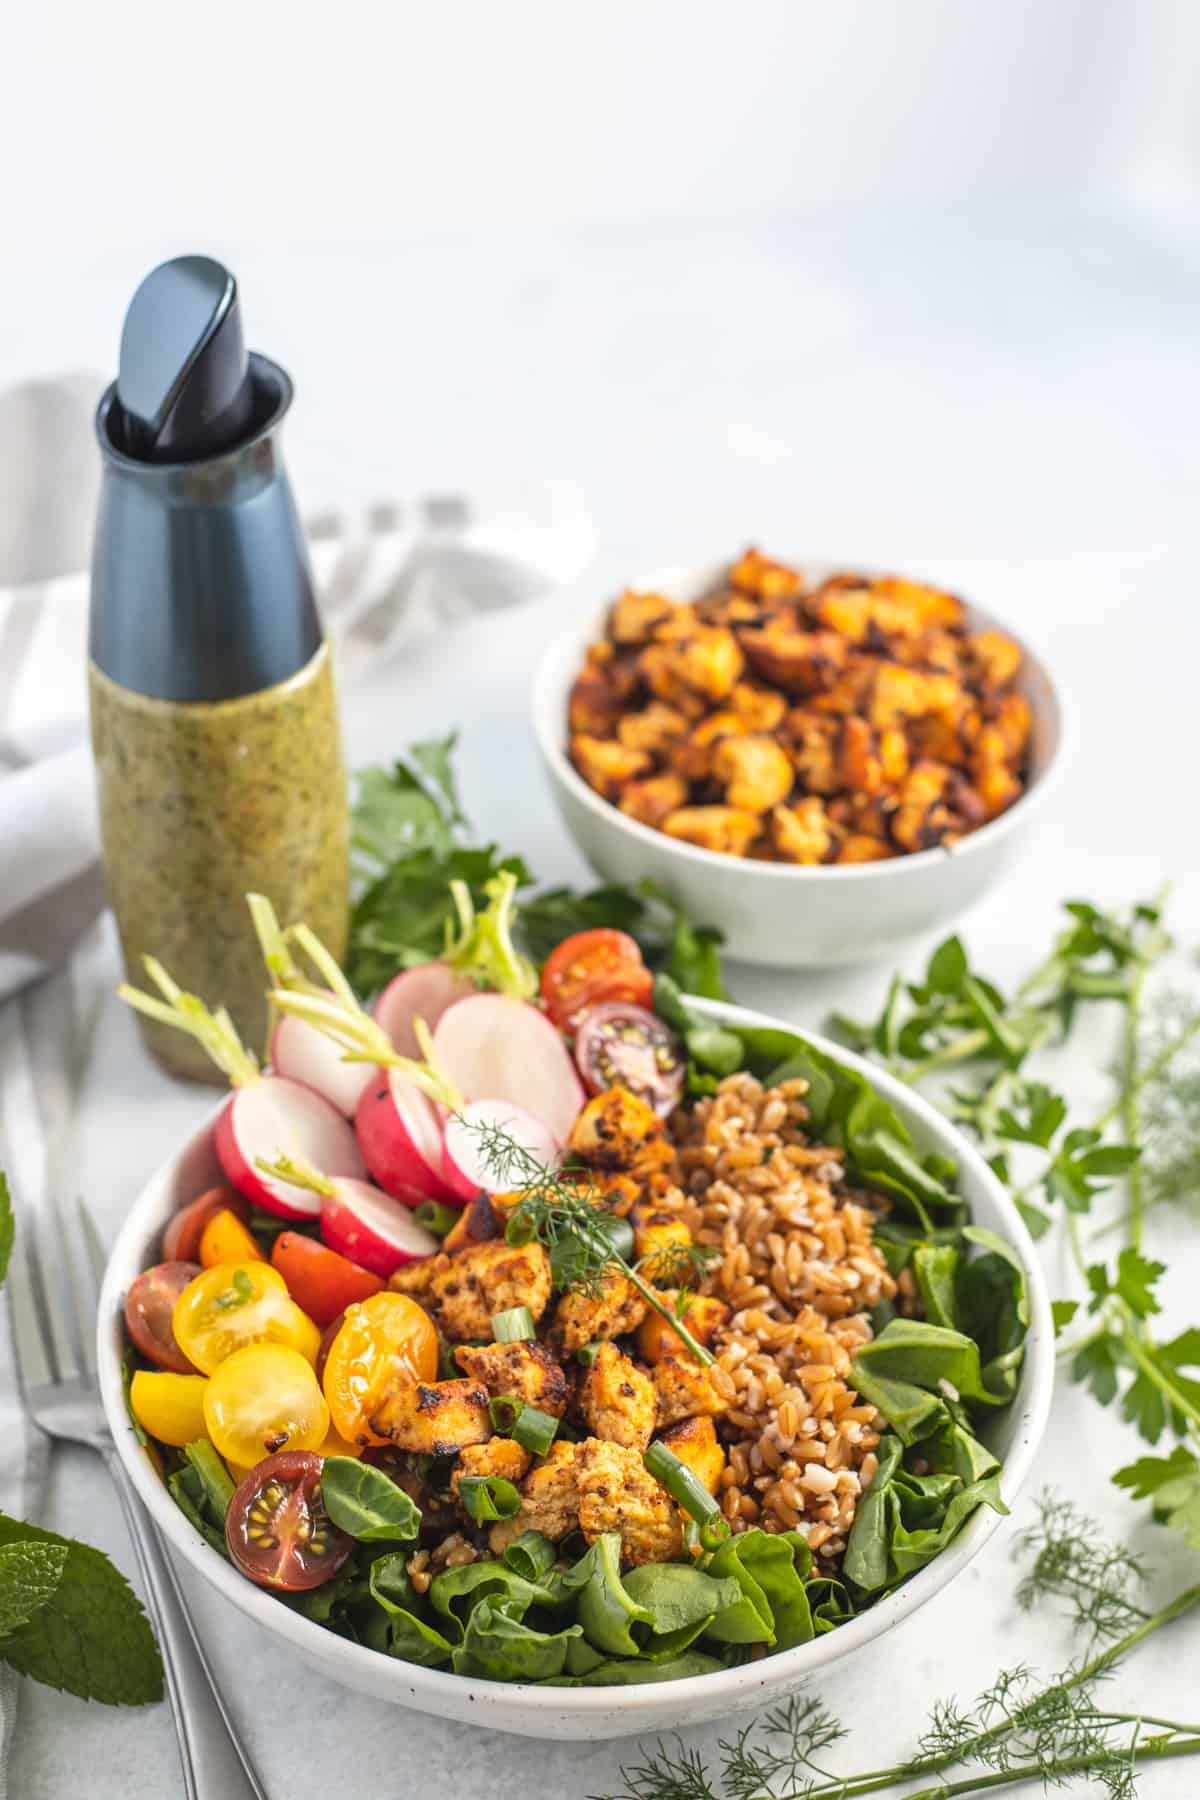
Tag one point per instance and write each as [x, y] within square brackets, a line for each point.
[184, 384]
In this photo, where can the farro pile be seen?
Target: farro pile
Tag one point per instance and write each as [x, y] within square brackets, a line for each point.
[800, 1272]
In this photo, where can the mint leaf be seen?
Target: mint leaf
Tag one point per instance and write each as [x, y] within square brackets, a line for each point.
[947, 968]
[8, 1229]
[29, 1574]
[90, 1637]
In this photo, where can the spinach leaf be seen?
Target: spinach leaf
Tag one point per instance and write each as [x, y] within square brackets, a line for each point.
[188, 1490]
[606, 1610]
[679, 1596]
[993, 1306]
[366, 1503]
[716, 1048]
[497, 1645]
[774, 1607]
[868, 1548]
[617, 1674]
[912, 1413]
[408, 1635]
[904, 1520]
[830, 1603]
[930, 1357]
[935, 1269]
[456, 1592]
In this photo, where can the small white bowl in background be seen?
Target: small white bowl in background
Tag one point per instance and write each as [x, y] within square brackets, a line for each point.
[782, 914]
[591, 1713]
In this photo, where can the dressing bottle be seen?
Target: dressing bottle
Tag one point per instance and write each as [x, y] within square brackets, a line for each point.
[213, 710]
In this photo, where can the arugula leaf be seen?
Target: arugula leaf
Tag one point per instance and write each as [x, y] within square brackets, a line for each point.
[90, 1637]
[365, 1502]
[29, 1575]
[8, 1229]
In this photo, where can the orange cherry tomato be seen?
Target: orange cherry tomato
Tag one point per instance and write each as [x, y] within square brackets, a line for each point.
[320, 1281]
[226, 1240]
[590, 967]
[181, 1239]
[380, 1338]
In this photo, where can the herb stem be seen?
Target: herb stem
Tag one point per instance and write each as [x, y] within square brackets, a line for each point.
[1130, 1111]
[1135, 1345]
[1149, 1750]
[704, 1357]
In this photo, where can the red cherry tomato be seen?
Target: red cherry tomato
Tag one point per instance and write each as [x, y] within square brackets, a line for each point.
[620, 1045]
[181, 1239]
[277, 1529]
[591, 967]
[150, 1310]
[327, 1337]
[320, 1281]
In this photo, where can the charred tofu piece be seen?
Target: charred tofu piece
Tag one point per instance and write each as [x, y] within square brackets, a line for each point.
[653, 730]
[652, 800]
[595, 705]
[488, 1279]
[900, 694]
[685, 1388]
[634, 617]
[615, 1308]
[921, 819]
[616, 1493]
[523, 1371]
[433, 1418]
[703, 1315]
[477, 1223]
[726, 829]
[499, 1456]
[1013, 721]
[813, 741]
[617, 1399]
[659, 1237]
[704, 664]
[549, 1500]
[756, 771]
[800, 662]
[923, 608]
[802, 833]
[617, 1130]
[754, 573]
[761, 708]
[991, 774]
[416, 1279]
[694, 1442]
[607, 765]
[995, 658]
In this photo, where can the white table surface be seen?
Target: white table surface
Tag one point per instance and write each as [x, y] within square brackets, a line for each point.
[1013, 413]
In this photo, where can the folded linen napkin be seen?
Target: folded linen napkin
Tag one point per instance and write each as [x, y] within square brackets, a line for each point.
[385, 576]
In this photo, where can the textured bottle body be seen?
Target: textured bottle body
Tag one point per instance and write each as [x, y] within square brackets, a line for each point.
[202, 803]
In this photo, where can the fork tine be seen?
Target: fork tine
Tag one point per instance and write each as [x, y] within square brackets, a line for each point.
[81, 1289]
[35, 1367]
[96, 1253]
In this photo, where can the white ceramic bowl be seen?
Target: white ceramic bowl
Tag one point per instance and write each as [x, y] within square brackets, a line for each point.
[778, 913]
[587, 1712]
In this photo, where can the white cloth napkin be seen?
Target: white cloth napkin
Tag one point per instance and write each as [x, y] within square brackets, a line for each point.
[385, 577]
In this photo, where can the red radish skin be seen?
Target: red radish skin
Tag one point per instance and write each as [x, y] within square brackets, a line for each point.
[496, 1048]
[400, 1135]
[302, 1053]
[275, 1117]
[465, 1163]
[372, 1229]
[425, 992]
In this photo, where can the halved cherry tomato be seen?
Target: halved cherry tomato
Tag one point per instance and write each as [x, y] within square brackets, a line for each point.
[264, 1399]
[319, 1279]
[335, 1445]
[277, 1529]
[622, 1045]
[236, 1304]
[181, 1239]
[226, 1240]
[380, 1338]
[170, 1407]
[590, 967]
[327, 1337]
[150, 1310]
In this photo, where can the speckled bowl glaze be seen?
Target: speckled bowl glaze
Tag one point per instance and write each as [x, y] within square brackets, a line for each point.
[546, 1712]
[778, 913]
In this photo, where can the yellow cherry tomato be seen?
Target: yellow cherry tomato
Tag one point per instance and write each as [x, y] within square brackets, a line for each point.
[335, 1445]
[387, 1336]
[169, 1407]
[236, 1304]
[226, 1240]
[264, 1399]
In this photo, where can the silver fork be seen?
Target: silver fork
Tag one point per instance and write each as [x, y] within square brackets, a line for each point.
[53, 1332]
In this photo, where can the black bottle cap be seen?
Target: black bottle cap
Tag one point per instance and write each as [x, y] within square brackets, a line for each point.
[184, 384]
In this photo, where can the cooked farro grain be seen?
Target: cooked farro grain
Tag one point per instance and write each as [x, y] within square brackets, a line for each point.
[800, 1271]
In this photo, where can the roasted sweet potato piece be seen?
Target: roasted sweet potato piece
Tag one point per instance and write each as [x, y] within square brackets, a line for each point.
[723, 828]
[703, 1315]
[652, 729]
[634, 616]
[859, 766]
[651, 800]
[899, 694]
[756, 771]
[802, 833]
[694, 1442]
[607, 765]
[617, 1130]
[754, 573]
[595, 706]
[859, 848]
[761, 708]
[995, 658]
[801, 662]
[920, 820]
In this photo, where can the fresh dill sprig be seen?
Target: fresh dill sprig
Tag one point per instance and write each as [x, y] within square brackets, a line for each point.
[1071, 1561]
[563, 1212]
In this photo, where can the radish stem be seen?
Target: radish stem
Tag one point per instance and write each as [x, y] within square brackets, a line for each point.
[362, 1040]
[297, 1173]
[215, 1032]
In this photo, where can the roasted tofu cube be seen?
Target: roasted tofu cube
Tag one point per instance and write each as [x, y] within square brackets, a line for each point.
[761, 708]
[993, 779]
[549, 1500]
[662, 669]
[617, 1130]
[659, 1239]
[1013, 721]
[800, 662]
[919, 820]
[520, 1371]
[416, 1279]
[617, 1399]
[613, 1309]
[703, 1315]
[893, 755]
[814, 750]
[616, 1493]
[756, 771]
[923, 607]
[995, 658]
[607, 765]
[594, 706]
[500, 1456]
[706, 662]
[900, 694]
[726, 829]
[754, 573]
[488, 1279]
[802, 833]
[434, 1418]
[694, 1442]
[652, 800]
[847, 608]
[653, 730]
[685, 1387]
[634, 617]
[609, 1190]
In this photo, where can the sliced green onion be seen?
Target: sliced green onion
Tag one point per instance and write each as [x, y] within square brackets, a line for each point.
[214, 1476]
[520, 1230]
[534, 1430]
[437, 1218]
[515, 1326]
[504, 1411]
[587, 1353]
[488, 1497]
[692, 1495]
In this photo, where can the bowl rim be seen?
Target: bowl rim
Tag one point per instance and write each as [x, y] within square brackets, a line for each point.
[548, 706]
[722, 1690]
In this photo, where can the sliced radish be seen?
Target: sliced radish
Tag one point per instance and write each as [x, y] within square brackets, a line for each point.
[466, 1163]
[304, 1054]
[372, 1229]
[496, 1048]
[400, 1135]
[274, 1117]
[425, 992]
